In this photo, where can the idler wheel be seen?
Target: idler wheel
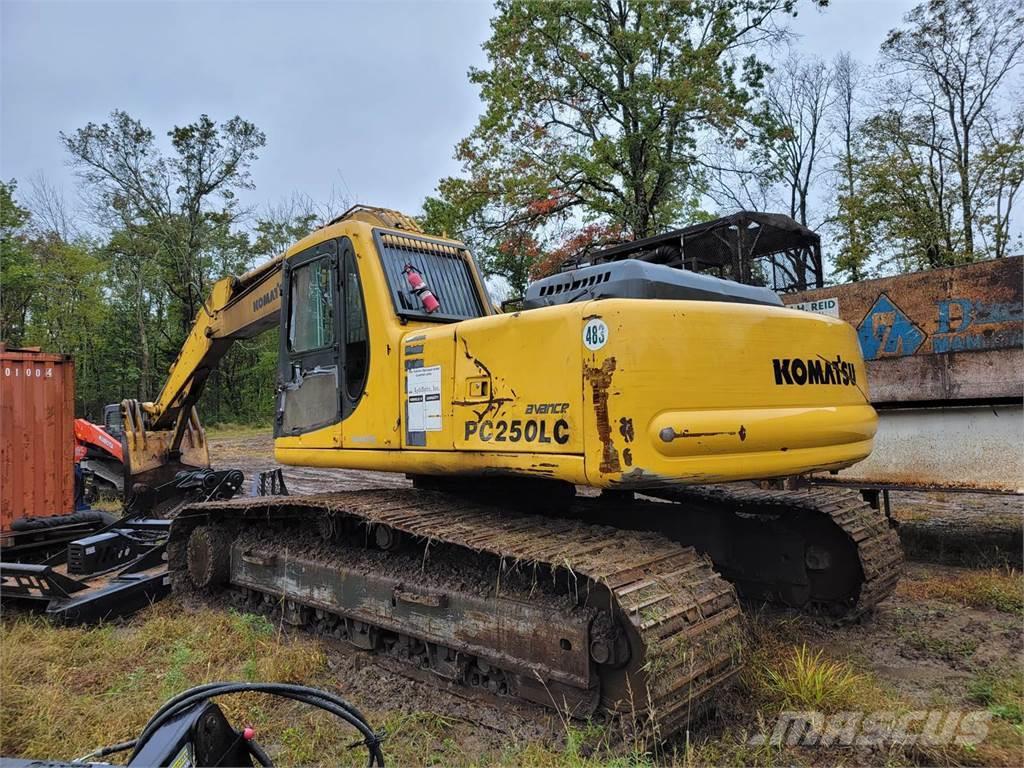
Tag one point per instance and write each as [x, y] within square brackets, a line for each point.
[209, 556]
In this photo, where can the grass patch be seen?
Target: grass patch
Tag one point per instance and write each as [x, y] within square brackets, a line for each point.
[783, 671]
[96, 686]
[66, 691]
[807, 680]
[1001, 589]
[1002, 694]
[231, 429]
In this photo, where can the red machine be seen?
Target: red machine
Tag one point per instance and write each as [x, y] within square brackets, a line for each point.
[90, 437]
[99, 453]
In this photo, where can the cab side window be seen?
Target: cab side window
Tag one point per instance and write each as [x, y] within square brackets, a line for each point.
[357, 343]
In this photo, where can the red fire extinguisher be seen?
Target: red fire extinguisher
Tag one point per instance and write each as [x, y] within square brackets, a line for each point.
[419, 287]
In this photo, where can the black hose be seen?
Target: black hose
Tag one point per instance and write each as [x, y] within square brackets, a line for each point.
[261, 757]
[278, 689]
[311, 696]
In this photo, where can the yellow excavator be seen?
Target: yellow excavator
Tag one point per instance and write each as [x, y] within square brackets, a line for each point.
[491, 573]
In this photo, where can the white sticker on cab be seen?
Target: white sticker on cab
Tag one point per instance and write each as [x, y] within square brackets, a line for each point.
[423, 397]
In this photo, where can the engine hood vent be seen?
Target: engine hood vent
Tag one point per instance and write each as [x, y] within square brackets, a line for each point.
[635, 279]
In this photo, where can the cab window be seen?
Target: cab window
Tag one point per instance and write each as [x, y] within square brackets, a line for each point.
[311, 321]
[357, 344]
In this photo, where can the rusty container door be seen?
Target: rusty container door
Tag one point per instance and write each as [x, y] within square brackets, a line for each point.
[37, 444]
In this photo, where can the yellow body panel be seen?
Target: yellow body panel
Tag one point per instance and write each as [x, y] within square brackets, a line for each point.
[625, 393]
[690, 394]
[677, 392]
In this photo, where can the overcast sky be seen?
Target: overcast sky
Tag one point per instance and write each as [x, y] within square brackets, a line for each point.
[366, 98]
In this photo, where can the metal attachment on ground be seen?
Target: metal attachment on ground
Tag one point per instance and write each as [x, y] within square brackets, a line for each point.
[270, 483]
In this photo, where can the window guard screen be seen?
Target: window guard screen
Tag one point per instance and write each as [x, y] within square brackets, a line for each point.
[443, 266]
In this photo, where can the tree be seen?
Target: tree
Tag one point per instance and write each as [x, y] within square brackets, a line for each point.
[799, 96]
[596, 115]
[907, 182]
[51, 214]
[69, 312]
[176, 198]
[281, 226]
[19, 280]
[853, 220]
[1001, 161]
[953, 59]
[170, 216]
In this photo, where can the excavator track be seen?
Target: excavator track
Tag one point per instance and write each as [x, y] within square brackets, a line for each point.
[625, 626]
[819, 549]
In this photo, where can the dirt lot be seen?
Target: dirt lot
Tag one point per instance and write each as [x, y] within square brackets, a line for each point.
[951, 639]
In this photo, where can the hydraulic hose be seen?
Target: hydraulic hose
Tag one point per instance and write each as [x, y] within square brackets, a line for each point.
[324, 700]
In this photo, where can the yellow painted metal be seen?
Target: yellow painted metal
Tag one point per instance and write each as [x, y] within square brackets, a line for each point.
[147, 451]
[695, 384]
[667, 392]
[681, 392]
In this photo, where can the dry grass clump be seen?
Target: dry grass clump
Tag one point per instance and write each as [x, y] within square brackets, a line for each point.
[806, 680]
[1001, 589]
[784, 672]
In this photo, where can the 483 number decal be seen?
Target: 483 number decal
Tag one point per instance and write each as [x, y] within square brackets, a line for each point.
[595, 334]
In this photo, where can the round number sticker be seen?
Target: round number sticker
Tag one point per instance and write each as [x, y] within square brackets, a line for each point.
[595, 334]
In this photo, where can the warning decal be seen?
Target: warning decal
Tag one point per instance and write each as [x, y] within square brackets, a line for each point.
[423, 398]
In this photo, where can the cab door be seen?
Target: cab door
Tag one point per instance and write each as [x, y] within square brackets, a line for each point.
[309, 392]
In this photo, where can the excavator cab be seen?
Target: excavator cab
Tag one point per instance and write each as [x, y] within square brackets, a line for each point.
[327, 343]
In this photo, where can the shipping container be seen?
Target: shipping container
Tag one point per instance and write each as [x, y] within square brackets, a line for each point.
[37, 442]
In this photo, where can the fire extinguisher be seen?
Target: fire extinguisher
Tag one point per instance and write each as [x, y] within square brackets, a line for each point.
[420, 288]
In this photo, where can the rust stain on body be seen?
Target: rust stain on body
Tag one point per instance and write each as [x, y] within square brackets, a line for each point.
[600, 380]
[626, 429]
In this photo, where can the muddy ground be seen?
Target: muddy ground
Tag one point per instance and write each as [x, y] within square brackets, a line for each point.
[927, 646]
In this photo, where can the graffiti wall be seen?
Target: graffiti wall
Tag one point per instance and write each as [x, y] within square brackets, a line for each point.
[945, 334]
